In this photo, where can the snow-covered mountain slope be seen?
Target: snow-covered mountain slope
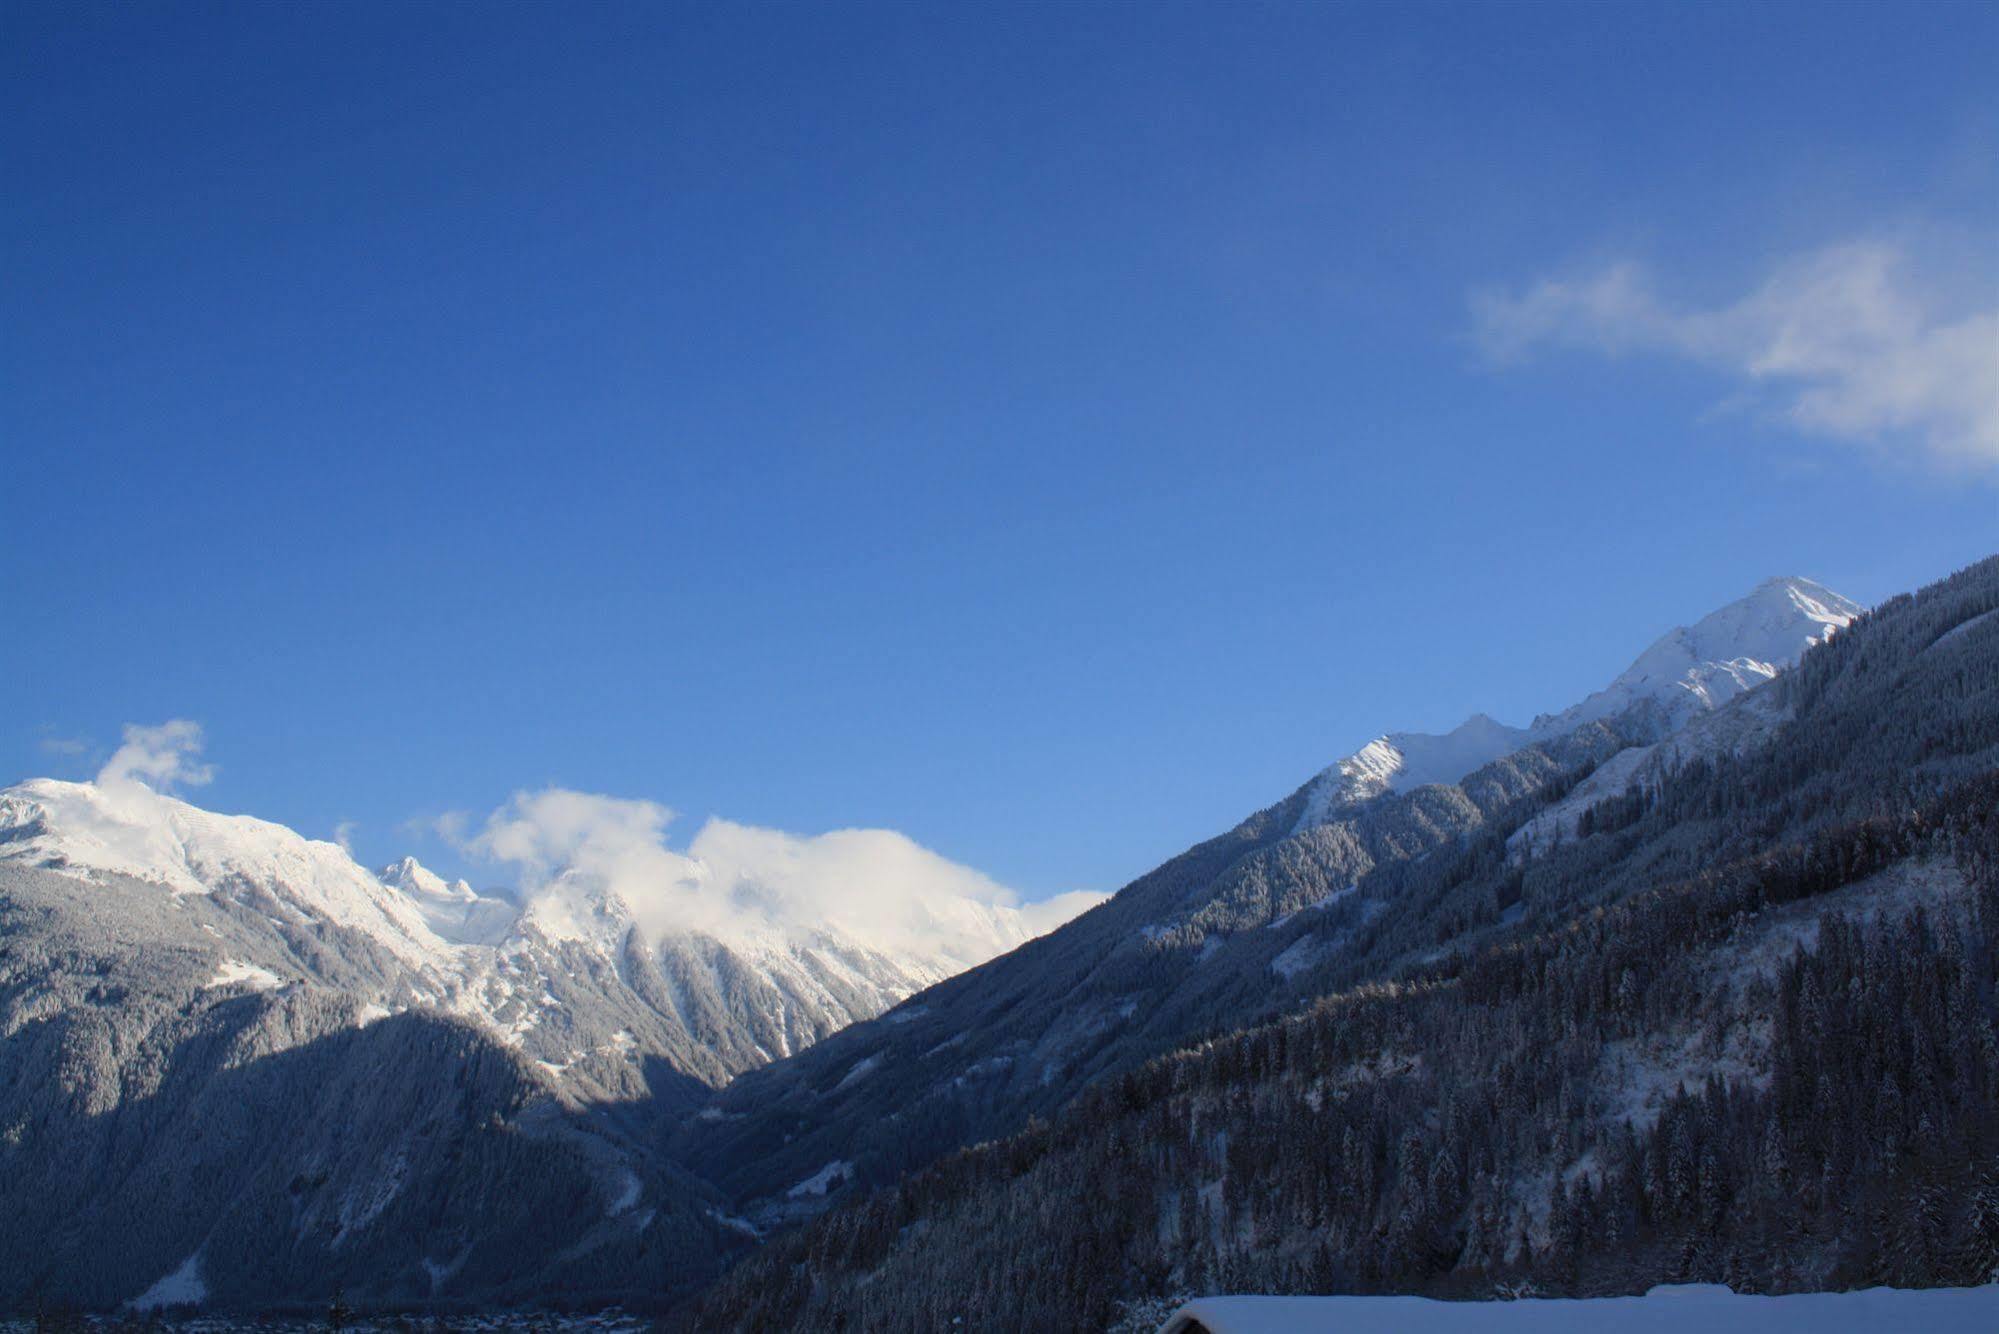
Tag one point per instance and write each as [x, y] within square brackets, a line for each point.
[197, 1103]
[1744, 722]
[1403, 761]
[1704, 665]
[591, 977]
[453, 910]
[1684, 674]
[125, 828]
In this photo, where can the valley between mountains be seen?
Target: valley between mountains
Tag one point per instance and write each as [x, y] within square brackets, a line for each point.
[1693, 979]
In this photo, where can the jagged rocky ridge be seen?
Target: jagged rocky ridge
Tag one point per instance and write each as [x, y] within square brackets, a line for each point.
[1736, 1024]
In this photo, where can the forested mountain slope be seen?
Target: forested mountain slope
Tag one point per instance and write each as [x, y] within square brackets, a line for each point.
[1240, 927]
[1738, 1026]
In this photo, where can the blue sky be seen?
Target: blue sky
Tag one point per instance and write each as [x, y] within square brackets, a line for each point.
[1049, 431]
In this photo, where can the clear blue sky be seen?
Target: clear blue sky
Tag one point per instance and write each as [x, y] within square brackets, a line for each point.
[1052, 431]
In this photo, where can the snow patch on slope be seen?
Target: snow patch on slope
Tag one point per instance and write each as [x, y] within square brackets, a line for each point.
[1325, 900]
[830, 1177]
[629, 1190]
[735, 1224]
[183, 1287]
[1958, 632]
[862, 1069]
[1301, 954]
[235, 972]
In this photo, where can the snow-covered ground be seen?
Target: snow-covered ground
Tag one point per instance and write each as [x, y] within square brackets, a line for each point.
[235, 972]
[1956, 633]
[1301, 954]
[861, 1070]
[183, 1287]
[825, 1179]
[1693, 1309]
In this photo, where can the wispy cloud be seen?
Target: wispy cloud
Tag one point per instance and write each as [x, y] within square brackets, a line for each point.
[1848, 343]
[343, 834]
[735, 880]
[65, 746]
[160, 758]
[1044, 915]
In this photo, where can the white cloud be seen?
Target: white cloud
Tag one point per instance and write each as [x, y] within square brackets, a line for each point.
[343, 834]
[1844, 342]
[876, 884]
[736, 881]
[454, 827]
[159, 758]
[63, 745]
[1044, 915]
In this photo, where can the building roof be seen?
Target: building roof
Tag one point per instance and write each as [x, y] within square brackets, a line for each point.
[1702, 1309]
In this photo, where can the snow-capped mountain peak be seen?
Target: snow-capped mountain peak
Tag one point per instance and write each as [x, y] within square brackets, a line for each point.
[414, 878]
[1685, 673]
[126, 828]
[453, 909]
[1702, 666]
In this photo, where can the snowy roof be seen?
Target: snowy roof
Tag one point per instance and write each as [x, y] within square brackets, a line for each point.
[1667, 1310]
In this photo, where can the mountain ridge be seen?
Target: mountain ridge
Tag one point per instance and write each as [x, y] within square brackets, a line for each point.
[1232, 927]
[572, 971]
[1688, 670]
